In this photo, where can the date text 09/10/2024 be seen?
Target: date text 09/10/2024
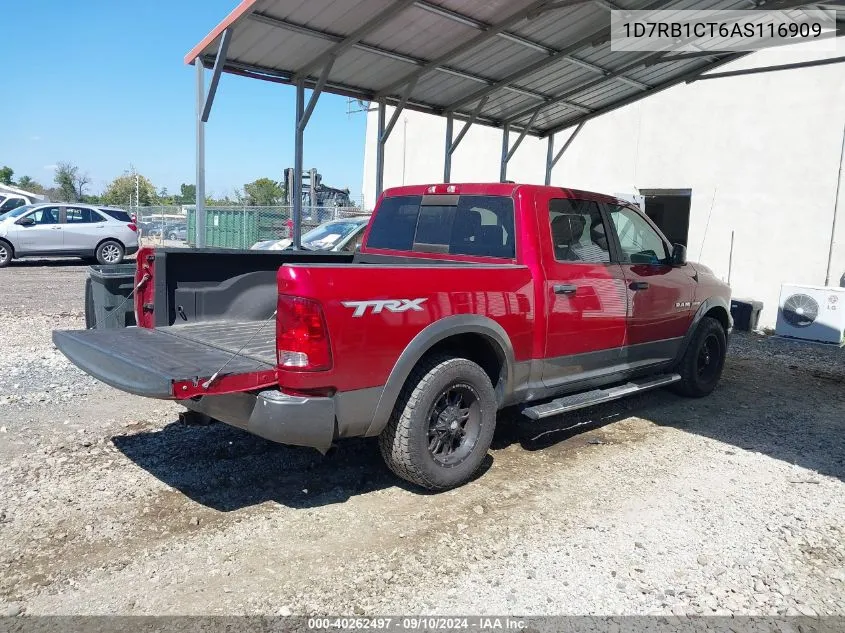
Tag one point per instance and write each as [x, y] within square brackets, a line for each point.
[417, 623]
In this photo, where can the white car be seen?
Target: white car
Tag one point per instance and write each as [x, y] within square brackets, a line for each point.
[10, 201]
[334, 235]
[65, 230]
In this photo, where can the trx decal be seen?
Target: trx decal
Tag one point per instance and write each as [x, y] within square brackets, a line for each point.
[391, 305]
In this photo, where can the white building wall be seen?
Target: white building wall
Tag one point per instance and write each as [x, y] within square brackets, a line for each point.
[761, 154]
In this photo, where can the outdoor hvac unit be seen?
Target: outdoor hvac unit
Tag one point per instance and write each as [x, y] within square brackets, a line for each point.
[813, 313]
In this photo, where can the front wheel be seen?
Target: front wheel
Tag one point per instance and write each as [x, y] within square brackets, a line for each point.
[5, 254]
[110, 252]
[702, 363]
[442, 424]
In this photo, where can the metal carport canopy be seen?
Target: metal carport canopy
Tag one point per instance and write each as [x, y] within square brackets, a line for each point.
[531, 67]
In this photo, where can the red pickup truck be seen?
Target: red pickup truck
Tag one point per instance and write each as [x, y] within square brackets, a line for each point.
[462, 299]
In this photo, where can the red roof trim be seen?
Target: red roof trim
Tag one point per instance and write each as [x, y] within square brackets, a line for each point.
[237, 13]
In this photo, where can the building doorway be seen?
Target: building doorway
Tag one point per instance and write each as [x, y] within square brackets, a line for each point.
[669, 209]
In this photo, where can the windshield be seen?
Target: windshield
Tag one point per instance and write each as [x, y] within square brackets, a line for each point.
[16, 213]
[328, 235]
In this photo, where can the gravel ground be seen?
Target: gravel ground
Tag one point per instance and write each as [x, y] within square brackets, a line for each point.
[733, 504]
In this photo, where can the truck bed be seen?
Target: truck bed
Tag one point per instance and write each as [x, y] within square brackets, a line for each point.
[148, 362]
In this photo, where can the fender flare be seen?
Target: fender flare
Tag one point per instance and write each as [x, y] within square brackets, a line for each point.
[428, 338]
[705, 307]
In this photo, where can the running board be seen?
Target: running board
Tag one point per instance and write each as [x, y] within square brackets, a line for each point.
[597, 396]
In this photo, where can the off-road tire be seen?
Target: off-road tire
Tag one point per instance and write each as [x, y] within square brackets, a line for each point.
[5, 253]
[404, 441]
[106, 247]
[693, 384]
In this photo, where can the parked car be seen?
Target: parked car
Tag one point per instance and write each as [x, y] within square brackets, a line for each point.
[9, 201]
[334, 235]
[65, 230]
[462, 300]
[177, 231]
[146, 228]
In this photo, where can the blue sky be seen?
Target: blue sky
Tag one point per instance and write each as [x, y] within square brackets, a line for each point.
[102, 84]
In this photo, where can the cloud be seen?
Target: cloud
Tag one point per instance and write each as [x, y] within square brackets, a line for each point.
[50, 167]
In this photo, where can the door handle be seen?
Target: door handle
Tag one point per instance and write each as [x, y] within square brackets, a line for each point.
[56, 228]
[565, 289]
[638, 285]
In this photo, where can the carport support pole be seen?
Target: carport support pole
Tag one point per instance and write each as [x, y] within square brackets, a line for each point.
[503, 168]
[296, 194]
[199, 224]
[384, 131]
[303, 114]
[447, 156]
[380, 140]
[552, 158]
[452, 144]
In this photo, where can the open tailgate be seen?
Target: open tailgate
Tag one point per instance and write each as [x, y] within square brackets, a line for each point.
[174, 361]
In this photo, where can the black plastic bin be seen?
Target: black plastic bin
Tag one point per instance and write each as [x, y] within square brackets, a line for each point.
[746, 313]
[107, 302]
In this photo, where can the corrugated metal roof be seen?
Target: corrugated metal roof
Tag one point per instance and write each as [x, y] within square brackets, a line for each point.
[512, 57]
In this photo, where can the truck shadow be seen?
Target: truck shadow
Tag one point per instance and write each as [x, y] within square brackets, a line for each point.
[782, 411]
[227, 469]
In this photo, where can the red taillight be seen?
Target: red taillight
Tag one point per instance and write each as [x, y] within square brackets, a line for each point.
[302, 340]
[132, 227]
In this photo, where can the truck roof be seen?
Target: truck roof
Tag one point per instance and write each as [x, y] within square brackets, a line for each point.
[494, 189]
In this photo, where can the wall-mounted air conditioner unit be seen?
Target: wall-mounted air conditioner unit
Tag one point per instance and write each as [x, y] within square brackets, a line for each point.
[812, 313]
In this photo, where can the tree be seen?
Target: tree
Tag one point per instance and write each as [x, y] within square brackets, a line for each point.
[187, 194]
[122, 189]
[6, 175]
[71, 182]
[28, 184]
[263, 192]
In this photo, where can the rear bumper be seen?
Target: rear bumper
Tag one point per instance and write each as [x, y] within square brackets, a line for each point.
[275, 416]
[131, 250]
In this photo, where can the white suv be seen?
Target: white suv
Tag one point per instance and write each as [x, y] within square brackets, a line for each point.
[65, 230]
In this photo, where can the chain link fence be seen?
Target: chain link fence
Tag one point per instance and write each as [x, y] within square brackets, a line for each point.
[236, 227]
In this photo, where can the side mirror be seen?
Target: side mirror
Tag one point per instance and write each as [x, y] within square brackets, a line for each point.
[679, 255]
[26, 221]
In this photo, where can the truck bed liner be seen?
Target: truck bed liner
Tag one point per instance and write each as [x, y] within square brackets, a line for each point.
[147, 361]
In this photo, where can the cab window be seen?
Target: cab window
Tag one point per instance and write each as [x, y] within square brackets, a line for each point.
[578, 231]
[638, 241]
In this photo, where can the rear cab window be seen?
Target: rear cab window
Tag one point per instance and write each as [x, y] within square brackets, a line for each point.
[481, 226]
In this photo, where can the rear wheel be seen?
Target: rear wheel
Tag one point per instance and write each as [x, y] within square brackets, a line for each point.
[5, 253]
[110, 252]
[442, 424]
[702, 364]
